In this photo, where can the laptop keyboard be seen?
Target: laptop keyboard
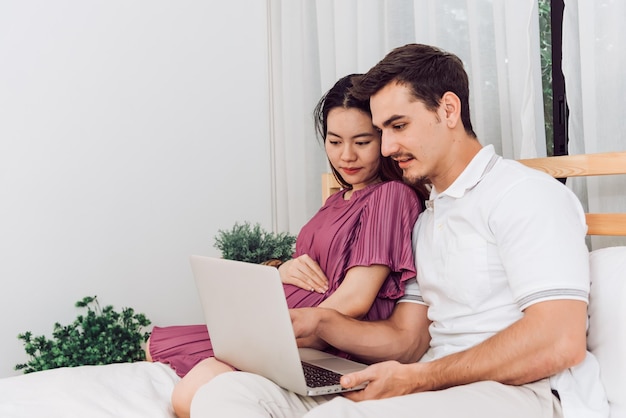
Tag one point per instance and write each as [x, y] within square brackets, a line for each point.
[316, 376]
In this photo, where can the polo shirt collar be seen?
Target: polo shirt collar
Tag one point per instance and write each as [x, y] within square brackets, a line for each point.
[471, 176]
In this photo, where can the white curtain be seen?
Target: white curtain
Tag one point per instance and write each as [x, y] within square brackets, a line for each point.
[315, 42]
[594, 63]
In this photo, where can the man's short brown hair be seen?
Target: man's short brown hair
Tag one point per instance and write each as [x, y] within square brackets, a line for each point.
[427, 71]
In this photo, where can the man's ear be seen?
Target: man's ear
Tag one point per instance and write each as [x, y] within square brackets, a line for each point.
[451, 105]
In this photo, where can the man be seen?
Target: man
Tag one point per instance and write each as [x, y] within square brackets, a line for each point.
[495, 324]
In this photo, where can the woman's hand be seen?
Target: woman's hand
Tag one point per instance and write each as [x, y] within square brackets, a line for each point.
[305, 273]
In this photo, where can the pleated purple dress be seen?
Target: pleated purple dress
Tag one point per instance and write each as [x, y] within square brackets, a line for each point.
[373, 227]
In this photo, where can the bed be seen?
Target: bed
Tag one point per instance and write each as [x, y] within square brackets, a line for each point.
[142, 389]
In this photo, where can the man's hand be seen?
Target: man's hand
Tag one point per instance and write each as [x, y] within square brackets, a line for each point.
[305, 273]
[385, 380]
[304, 322]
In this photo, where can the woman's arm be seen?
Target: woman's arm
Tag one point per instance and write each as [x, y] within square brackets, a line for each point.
[356, 294]
[353, 298]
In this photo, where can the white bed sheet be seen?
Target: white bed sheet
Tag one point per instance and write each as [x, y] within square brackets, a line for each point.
[129, 390]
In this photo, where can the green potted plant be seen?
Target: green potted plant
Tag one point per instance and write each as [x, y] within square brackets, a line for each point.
[102, 336]
[253, 244]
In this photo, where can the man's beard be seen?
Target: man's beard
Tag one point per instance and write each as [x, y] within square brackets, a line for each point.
[414, 179]
[408, 179]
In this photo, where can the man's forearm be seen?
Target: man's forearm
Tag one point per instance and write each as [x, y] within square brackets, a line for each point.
[546, 341]
[374, 341]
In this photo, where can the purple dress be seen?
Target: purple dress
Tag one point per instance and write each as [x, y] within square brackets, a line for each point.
[373, 227]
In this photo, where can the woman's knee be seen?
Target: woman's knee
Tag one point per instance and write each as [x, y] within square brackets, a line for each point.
[187, 387]
[181, 400]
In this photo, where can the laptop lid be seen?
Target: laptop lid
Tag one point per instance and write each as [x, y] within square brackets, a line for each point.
[248, 320]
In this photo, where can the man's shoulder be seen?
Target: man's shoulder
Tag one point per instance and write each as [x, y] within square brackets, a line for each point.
[512, 185]
[511, 173]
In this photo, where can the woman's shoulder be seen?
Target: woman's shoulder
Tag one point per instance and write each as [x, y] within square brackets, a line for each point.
[394, 187]
[393, 200]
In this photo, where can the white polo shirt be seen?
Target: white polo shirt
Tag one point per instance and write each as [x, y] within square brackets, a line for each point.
[501, 238]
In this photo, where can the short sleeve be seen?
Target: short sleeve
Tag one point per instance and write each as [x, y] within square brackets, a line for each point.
[412, 293]
[543, 251]
[384, 236]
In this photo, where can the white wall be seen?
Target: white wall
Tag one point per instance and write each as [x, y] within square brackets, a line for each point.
[130, 132]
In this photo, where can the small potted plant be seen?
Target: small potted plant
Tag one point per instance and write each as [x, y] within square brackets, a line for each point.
[253, 244]
[101, 336]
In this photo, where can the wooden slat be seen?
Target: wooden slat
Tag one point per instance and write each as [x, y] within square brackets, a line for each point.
[580, 165]
[613, 224]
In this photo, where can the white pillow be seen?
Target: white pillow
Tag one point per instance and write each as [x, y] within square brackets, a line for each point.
[606, 338]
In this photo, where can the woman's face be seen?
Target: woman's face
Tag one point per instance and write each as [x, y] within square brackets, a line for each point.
[353, 146]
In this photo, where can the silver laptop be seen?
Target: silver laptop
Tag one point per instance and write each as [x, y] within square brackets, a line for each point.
[248, 320]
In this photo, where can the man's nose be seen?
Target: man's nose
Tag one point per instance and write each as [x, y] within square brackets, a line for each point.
[388, 145]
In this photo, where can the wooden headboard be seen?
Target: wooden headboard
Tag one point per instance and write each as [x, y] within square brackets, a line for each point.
[601, 164]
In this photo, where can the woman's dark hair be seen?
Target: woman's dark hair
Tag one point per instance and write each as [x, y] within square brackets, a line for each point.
[428, 71]
[340, 96]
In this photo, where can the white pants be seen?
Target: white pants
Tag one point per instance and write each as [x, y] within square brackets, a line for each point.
[240, 394]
